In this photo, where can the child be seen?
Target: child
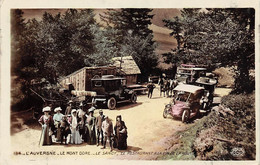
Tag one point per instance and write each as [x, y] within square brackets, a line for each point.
[65, 129]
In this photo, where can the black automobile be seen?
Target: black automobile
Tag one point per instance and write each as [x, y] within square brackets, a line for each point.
[112, 90]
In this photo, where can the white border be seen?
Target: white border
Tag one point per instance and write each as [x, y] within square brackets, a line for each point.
[6, 5]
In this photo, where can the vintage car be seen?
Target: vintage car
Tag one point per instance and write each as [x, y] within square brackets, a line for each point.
[186, 102]
[189, 75]
[111, 90]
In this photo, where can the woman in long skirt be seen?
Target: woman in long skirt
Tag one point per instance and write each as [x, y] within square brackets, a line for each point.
[90, 128]
[120, 133]
[46, 121]
[75, 136]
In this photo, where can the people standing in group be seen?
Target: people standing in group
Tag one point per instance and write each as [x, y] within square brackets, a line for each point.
[81, 115]
[120, 133]
[150, 87]
[57, 119]
[107, 128]
[46, 122]
[98, 124]
[90, 128]
[75, 136]
[69, 108]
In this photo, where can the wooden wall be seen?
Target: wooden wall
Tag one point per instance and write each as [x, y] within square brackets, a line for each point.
[81, 79]
[131, 79]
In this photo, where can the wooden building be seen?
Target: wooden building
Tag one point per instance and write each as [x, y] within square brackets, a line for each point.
[81, 79]
[129, 68]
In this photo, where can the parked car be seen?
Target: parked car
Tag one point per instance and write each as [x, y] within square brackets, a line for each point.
[189, 75]
[186, 102]
[209, 86]
[112, 90]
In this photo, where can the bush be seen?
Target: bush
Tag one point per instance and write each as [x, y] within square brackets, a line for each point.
[241, 127]
[238, 131]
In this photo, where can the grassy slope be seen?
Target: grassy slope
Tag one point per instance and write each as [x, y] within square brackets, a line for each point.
[202, 141]
[186, 140]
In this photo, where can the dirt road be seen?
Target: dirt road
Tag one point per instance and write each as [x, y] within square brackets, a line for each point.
[147, 131]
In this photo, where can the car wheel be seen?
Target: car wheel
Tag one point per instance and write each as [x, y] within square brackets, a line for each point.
[166, 112]
[133, 98]
[111, 103]
[185, 116]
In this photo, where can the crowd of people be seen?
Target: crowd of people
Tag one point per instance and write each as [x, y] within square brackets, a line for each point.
[77, 126]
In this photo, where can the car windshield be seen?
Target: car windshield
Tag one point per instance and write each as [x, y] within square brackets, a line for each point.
[123, 82]
[184, 71]
[183, 96]
[112, 85]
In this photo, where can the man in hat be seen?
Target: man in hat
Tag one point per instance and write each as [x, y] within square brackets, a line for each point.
[107, 128]
[57, 119]
[69, 108]
[98, 124]
[150, 87]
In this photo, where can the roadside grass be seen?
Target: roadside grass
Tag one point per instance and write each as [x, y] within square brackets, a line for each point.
[186, 141]
[214, 136]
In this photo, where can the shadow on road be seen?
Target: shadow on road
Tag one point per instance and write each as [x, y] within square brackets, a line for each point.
[129, 148]
[126, 105]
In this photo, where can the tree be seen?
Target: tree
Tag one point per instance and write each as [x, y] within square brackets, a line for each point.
[176, 26]
[56, 45]
[132, 29]
[224, 36]
[17, 46]
[139, 48]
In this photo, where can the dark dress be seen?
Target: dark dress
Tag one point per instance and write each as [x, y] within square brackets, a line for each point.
[120, 135]
[65, 130]
[90, 134]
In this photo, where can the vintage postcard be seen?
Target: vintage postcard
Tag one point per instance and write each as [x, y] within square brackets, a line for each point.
[129, 82]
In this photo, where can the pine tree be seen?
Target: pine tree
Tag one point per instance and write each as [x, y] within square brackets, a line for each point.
[132, 26]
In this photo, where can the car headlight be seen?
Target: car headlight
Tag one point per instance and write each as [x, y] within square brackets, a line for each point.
[168, 105]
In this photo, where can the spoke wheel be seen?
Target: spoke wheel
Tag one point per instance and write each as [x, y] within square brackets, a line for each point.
[111, 103]
[133, 98]
[185, 116]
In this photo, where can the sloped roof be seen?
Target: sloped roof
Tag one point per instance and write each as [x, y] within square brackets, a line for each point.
[187, 88]
[128, 65]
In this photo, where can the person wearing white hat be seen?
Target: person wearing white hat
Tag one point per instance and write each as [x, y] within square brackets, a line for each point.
[75, 136]
[46, 122]
[57, 119]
